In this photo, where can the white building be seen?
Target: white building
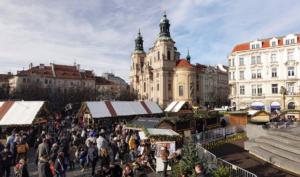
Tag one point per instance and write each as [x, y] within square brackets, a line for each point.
[261, 71]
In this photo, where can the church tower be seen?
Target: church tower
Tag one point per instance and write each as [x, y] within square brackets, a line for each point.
[137, 64]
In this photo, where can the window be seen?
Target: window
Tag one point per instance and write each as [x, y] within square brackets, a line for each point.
[144, 86]
[259, 74]
[229, 75]
[253, 75]
[253, 46]
[274, 88]
[287, 42]
[257, 46]
[291, 105]
[292, 41]
[24, 80]
[273, 57]
[274, 72]
[46, 81]
[259, 90]
[197, 86]
[242, 75]
[169, 55]
[253, 61]
[242, 90]
[258, 60]
[229, 62]
[253, 90]
[233, 75]
[290, 55]
[169, 87]
[180, 90]
[291, 71]
[158, 55]
[273, 43]
[157, 87]
[241, 62]
[290, 88]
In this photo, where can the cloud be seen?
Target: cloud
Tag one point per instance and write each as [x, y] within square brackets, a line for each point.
[100, 34]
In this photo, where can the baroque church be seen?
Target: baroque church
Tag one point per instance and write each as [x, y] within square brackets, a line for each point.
[160, 75]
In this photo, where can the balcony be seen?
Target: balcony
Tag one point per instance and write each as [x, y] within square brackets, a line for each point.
[257, 96]
[291, 62]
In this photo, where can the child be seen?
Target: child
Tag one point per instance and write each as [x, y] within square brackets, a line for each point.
[21, 169]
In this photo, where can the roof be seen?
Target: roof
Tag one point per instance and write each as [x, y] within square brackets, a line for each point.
[183, 63]
[5, 77]
[58, 71]
[104, 109]
[265, 44]
[19, 112]
[175, 106]
[143, 122]
[159, 131]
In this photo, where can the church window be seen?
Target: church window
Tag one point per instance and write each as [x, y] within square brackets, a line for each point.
[169, 55]
[158, 55]
[180, 90]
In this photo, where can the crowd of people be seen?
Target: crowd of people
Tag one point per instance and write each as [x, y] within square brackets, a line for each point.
[104, 151]
[101, 151]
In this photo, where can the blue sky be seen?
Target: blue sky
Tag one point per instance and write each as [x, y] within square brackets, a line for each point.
[99, 34]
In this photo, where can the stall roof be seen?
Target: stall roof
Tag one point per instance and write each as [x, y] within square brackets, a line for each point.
[19, 112]
[175, 106]
[159, 131]
[102, 109]
[142, 122]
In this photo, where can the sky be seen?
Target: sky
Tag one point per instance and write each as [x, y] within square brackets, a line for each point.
[99, 34]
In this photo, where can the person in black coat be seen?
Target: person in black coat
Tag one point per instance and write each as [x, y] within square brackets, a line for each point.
[6, 162]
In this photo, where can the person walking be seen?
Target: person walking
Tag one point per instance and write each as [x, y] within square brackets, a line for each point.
[59, 165]
[93, 156]
[164, 154]
[44, 167]
[7, 160]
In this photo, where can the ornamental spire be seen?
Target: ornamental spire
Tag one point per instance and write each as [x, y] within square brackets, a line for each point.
[188, 57]
[164, 26]
[139, 42]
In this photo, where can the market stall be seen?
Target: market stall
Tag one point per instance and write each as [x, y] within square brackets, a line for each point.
[161, 138]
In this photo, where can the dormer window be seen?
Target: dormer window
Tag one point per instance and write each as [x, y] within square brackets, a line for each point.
[273, 42]
[256, 44]
[290, 39]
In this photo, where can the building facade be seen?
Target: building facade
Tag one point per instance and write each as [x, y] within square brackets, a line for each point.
[55, 76]
[264, 74]
[161, 76]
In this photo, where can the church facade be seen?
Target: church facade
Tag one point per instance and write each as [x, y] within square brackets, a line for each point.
[160, 75]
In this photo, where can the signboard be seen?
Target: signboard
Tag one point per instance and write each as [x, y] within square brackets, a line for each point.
[158, 145]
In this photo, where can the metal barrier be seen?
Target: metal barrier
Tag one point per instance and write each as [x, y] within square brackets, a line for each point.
[213, 162]
[213, 135]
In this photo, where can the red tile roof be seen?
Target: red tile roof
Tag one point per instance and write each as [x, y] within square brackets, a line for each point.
[102, 81]
[265, 44]
[184, 64]
[58, 71]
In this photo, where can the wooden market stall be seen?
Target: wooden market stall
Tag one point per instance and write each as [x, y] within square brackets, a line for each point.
[108, 111]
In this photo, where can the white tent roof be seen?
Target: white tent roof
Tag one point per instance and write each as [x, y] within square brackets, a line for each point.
[252, 112]
[170, 107]
[98, 109]
[103, 109]
[159, 131]
[154, 108]
[175, 106]
[21, 112]
[1, 103]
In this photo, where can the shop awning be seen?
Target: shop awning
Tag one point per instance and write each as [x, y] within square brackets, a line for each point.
[175, 106]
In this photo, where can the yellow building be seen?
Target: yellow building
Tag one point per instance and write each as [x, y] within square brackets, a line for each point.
[161, 76]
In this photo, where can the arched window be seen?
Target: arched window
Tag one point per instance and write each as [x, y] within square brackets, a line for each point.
[158, 55]
[291, 105]
[169, 55]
